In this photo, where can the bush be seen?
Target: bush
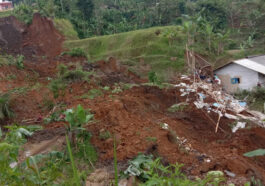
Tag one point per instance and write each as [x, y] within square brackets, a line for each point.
[5, 111]
[153, 172]
[23, 12]
[57, 87]
[73, 75]
[152, 77]
[254, 98]
[18, 61]
[77, 52]
[65, 76]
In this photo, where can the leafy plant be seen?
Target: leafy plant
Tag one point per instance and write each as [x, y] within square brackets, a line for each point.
[20, 61]
[76, 74]
[57, 87]
[258, 152]
[117, 89]
[10, 173]
[94, 93]
[23, 12]
[178, 107]
[152, 77]
[77, 118]
[5, 111]
[54, 117]
[153, 172]
[151, 139]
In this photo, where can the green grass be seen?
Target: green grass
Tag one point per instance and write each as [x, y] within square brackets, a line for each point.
[66, 28]
[5, 13]
[135, 46]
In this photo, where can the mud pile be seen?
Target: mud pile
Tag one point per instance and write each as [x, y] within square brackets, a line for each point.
[112, 72]
[11, 35]
[38, 39]
[41, 38]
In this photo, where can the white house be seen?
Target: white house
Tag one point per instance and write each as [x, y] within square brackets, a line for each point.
[5, 5]
[243, 74]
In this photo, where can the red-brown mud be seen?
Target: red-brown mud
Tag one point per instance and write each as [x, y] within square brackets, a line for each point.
[134, 116]
[40, 38]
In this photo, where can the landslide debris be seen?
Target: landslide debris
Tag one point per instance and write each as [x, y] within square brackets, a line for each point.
[37, 39]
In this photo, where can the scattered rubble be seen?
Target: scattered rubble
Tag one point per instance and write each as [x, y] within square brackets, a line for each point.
[210, 98]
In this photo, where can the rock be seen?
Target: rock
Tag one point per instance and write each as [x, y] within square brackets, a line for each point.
[99, 177]
[123, 182]
[128, 182]
[231, 174]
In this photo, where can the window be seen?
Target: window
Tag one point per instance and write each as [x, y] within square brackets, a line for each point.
[235, 80]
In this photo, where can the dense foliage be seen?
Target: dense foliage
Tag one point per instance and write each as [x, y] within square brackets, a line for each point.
[100, 17]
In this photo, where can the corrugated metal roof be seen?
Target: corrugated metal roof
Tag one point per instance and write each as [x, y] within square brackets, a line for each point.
[256, 63]
[258, 59]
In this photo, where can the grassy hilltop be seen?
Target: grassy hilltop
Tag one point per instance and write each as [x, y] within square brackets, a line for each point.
[152, 47]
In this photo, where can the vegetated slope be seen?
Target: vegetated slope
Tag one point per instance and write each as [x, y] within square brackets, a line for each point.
[143, 50]
[66, 28]
[5, 13]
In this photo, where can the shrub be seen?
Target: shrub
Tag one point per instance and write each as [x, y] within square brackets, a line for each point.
[178, 107]
[57, 87]
[23, 12]
[5, 111]
[75, 75]
[77, 52]
[153, 172]
[65, 76]
[254, 98]
[18, 61]
[94, 93]
[72, 75]
[152, 77]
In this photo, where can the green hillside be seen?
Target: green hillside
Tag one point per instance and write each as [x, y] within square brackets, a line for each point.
[152, 47]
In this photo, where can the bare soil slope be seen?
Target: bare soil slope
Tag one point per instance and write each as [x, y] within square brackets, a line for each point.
[135, 116]
[38, 39]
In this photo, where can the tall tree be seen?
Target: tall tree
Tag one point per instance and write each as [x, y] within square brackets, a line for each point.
[86, 7]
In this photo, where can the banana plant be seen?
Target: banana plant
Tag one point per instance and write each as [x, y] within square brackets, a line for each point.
[76, 119]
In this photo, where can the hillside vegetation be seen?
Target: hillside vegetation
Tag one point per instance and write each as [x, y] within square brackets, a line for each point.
[152, 47]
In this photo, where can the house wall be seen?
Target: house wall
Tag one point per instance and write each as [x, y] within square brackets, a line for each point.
[262, 79]
[5, 6]
[248, 78]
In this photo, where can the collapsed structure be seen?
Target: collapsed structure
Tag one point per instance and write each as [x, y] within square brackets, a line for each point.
[210, 98]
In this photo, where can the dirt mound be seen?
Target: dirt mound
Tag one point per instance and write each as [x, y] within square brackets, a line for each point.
[136, 117]
[11, 35]
[111, 72]
[39, 39]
